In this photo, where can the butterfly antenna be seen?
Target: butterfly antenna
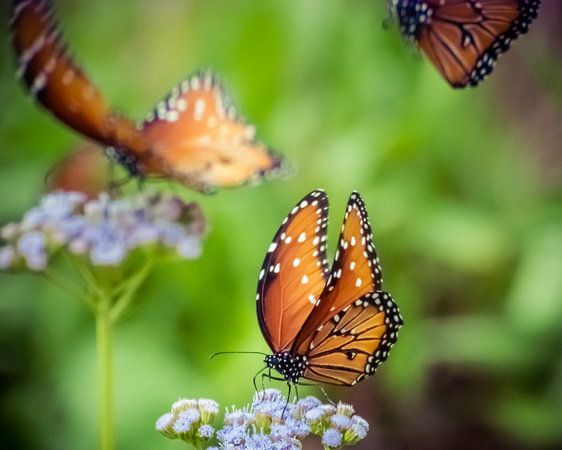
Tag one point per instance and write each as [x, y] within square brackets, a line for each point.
[255, 376]
[326, 395]
[243, 353]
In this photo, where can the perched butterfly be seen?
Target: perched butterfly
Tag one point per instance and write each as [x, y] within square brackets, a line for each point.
[193, 137]
[463, 38]
[326, 326]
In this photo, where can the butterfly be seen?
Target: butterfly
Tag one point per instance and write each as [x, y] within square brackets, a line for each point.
[194, 136]
[329, 326]
[464, 38]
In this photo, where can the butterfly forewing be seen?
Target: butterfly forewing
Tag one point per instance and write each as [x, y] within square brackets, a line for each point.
[463, 38]
[196, 136]
[294, 272]
[355, 271]
[351, 345]
[52, 76]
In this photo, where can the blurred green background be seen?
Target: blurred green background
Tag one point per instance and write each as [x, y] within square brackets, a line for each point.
[463, 190]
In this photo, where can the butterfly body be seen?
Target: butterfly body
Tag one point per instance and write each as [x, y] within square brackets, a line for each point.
[194, 136]
[330, 326]
[464, 38]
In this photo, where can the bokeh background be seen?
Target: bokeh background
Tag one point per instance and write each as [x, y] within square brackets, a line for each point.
[463, 190]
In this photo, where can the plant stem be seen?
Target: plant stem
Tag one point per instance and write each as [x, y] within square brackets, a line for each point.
[104, 344]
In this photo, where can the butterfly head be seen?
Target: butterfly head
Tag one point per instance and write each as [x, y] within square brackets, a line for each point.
[290, 367]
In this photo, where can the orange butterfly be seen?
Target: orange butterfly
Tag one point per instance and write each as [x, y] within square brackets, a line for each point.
[330, 326]
[193, 137]
[463, 38]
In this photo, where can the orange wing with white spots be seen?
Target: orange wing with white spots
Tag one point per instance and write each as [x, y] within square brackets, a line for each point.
[196, 137]
[352, 327]
[294, 272]
[349, 325]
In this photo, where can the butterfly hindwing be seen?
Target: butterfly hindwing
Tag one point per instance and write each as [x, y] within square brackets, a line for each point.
[196, 136]
[294, 272]
[351, 345]
[51, 74]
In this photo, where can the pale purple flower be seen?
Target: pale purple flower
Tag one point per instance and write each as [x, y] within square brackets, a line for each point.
[261, 442]
[32, 248]
[332, 437]
[185, 420]
[105, 230]
[262, 427]
[107, 245]
[341, 421]
[164, 421]
[206, 431]
[314, 414]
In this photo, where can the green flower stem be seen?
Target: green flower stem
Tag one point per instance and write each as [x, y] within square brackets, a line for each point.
[104, 345]
[128, 290]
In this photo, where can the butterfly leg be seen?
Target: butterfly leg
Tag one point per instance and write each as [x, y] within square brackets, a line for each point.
[326, 395]
[288, 397]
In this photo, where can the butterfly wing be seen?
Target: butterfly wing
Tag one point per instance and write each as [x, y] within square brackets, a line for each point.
[463, 38]
[351, 345]
[196, 138]
[86, 170]
[51, 74]
[349, 331]
[294, 272]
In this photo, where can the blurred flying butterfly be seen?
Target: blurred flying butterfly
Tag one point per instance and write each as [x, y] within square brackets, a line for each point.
[464, 38]
[330, 326]
[193, 136]
[85, 171]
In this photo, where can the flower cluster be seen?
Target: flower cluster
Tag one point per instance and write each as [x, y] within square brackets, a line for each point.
[271, 423]
[103, 230]
[189, 420]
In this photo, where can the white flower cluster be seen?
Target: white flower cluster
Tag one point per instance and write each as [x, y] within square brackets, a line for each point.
[271, 423]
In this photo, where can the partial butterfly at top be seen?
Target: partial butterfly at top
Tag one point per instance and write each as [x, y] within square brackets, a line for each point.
[193, 137]
[329, 326]
[463, 38]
